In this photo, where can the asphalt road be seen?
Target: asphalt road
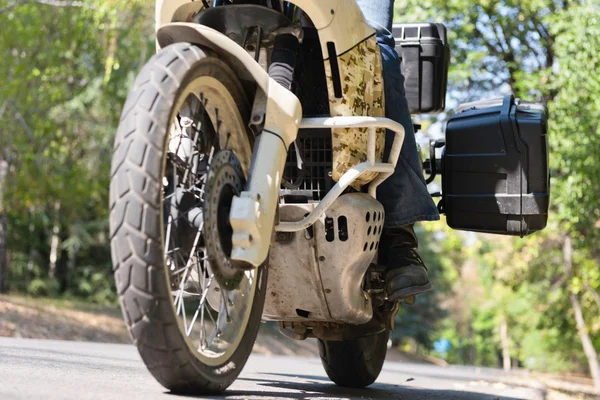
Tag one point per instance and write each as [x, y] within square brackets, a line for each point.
[39, 369]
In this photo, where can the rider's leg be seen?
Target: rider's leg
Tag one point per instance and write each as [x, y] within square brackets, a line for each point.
[404, 195]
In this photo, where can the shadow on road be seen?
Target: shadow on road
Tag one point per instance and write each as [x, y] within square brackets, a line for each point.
[316, 387]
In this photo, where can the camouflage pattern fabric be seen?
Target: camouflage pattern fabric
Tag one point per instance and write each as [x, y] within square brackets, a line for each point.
[362, 94]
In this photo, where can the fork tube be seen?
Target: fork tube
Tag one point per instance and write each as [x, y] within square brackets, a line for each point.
[283, 59]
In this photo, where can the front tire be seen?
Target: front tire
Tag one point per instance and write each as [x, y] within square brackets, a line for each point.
[354, 363]
[186, 106]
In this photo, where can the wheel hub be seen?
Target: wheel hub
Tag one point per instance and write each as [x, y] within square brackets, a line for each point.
[225, 180]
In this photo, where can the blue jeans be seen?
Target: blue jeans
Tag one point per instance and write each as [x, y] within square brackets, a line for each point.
[404, 195]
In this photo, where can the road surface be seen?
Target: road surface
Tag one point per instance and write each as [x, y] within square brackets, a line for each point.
[40, 369]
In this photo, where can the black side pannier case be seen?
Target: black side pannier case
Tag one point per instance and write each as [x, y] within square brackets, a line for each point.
[495, 167]
[425, 54]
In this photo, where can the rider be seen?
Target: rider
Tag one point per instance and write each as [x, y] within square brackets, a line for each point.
[404, 195]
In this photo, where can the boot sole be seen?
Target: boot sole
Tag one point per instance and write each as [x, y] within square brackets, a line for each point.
[402, 294]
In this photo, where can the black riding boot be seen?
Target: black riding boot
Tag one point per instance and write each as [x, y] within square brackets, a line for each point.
[406, 274]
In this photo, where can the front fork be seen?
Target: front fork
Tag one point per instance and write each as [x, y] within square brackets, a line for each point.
[253, 213]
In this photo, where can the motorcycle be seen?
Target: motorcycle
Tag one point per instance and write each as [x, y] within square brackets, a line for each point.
[243, 188]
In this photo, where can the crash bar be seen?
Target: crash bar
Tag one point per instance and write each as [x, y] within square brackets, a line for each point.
[385, 170]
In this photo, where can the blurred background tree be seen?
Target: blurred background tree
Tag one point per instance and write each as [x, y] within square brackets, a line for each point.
[65, 73]
[540, 294]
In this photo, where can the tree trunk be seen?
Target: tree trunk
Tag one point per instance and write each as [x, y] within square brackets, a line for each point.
[595, 295]
[588, 347]
[55, 241]
[3, 229]
[32, 247]
[586, 342]
[62, 264]
[71, 268]
[3, 254]
[472, 349]
[505, 344]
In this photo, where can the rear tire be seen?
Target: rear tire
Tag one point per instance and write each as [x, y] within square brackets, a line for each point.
[354, 363]
[146, 249]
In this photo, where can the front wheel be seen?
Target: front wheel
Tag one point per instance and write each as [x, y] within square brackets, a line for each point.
[182, 153]
[354, 363]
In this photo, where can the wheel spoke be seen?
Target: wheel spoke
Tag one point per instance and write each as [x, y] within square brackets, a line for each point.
[185, 275]
[225, 304]
[168, 235]
[192, 156]
[218, 323]
[211, 325]
[200, 305]
[179, 271]
[182, 302]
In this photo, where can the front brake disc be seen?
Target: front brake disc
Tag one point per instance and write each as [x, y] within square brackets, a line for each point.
[225, 180]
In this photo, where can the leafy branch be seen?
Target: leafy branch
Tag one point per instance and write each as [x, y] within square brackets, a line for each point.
[53, 3]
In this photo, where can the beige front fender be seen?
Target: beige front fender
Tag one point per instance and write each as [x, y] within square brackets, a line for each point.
[283, 107]
[234, 55]
[253, 212]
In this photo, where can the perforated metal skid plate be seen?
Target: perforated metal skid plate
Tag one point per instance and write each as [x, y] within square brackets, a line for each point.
[317, 274]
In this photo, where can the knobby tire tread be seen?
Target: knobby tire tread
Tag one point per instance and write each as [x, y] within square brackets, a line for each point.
[135, 204]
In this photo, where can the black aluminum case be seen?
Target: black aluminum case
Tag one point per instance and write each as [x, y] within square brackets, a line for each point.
[425, 54]
[495, 167]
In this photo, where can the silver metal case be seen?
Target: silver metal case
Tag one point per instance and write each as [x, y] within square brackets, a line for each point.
[317, 274]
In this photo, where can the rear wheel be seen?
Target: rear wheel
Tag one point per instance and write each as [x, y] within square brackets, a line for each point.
[354, 363]
[182, 153]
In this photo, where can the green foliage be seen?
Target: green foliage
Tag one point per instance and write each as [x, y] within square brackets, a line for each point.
[547, 51]
[538, 352]
[65, 74]
[94, 286]
[497, 45]
[575, 124]
[442, 251]
[42, 287]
